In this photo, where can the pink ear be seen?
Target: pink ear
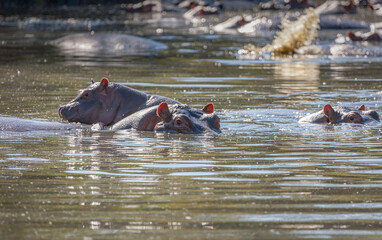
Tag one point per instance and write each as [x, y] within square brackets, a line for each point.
[328, 109]
[209, 108]
[351, 35]
[104, 82]
[362, 108]
[163, 112]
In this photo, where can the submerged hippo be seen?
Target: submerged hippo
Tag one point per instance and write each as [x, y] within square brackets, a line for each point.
[285, 5]
[337, 7]
[14, 124]
[341, 115]
[173, 118]
[232, 24]
[85, 44]
[108, 103]
[364, 37]
[340, 50]
[267, 26]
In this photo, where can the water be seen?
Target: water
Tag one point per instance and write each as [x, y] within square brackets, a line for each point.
[265, 177]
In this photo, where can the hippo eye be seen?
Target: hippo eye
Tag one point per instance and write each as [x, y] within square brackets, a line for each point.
[86, 95]
[182, 121]
[354, 118]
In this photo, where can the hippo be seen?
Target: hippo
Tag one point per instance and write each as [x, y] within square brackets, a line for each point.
[364, 37]
[191, 4]
[267, 26]
[340, 50]
[335, 115]
[183, 119]
[108, 103]
[285, 5]
[173, 118]
[337, 7]
[147, 6]
[232, 24]
[85, 44]
[200, 11]
[14, 124]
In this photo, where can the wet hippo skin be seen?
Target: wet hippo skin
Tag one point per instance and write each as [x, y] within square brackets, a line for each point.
[333, 115]
[108, 103]
[173, 118]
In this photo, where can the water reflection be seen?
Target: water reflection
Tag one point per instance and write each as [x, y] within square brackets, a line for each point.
[297, 77]
[307, 71]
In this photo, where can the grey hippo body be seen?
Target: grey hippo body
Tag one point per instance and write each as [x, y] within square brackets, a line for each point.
[335, 115]
[106, 44]
[108, 103]
[171, 118]
[14, 124]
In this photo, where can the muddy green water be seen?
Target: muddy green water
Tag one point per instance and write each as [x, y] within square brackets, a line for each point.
[265, 177]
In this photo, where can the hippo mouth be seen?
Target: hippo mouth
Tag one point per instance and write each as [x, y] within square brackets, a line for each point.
[67, 115]
[62, 114]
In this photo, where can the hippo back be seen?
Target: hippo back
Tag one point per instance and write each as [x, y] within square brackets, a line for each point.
[13, 124]
[113, 44]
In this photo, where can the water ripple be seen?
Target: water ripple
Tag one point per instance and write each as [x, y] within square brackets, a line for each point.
[89, 172]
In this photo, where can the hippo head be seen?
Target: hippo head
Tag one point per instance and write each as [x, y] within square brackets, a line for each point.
[369, 115]
[181, 118]
[92, 105]
[344, 115]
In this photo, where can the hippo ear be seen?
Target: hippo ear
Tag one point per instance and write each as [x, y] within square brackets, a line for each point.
[92, 81]
[104, 82]
[328, 110]
[209, 108]
[163, 112]
[352, 36]
[362, 108]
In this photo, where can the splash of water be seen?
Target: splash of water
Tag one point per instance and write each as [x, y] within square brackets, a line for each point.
[293, 35]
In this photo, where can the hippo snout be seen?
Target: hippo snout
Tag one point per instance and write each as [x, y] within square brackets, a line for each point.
[61, 113]
[68, 112]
